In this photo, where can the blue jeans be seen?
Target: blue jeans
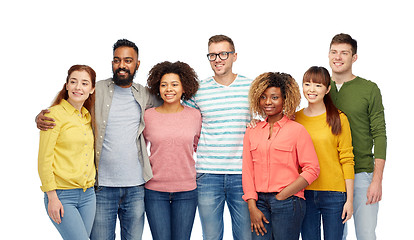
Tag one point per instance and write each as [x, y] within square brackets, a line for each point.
[285, 217]
[213, 191]
[170, 215]
[365, 216]
[329, 205]
[125, 202]
[79, 212]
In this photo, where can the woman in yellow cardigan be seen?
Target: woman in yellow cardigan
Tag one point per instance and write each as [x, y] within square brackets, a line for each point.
[331, 195]
[66, 156]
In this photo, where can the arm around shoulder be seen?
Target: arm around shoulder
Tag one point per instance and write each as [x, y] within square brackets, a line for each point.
[43, 122]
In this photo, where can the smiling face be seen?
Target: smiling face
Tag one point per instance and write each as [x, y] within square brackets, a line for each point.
[171, 88]
[79, 86]
[271, 101]
[124, 66]
[314, 92]
[222, 67]
[341, 58]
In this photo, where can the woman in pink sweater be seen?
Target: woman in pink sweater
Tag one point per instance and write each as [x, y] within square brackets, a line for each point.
[172, 131]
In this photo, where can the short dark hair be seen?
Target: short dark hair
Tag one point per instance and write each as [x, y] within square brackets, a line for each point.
[125, 43]
[188, 77]
[221, 38]
[345, 38]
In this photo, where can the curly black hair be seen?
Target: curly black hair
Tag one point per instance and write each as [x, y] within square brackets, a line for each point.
[188, 77]
[125, 43]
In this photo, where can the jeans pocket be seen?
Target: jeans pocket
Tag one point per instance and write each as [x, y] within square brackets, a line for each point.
[98, 189]
[287, 199]
[200, 176]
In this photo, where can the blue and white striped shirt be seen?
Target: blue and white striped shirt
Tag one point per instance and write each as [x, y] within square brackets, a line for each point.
[225, 113]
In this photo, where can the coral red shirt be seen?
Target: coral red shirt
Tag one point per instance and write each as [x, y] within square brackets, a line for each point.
[269, 165]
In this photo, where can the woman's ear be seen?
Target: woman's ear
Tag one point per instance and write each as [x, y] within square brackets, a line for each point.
[328, 90]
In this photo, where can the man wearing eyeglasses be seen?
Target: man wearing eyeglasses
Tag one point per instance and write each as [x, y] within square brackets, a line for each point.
[223, 102]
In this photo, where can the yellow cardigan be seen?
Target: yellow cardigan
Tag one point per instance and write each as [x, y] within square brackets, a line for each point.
[66, 152]
[335, 156]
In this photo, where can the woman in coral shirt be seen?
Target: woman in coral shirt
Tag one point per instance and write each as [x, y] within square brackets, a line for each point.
[279, 159]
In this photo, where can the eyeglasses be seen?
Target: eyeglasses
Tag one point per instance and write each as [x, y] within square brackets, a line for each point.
[222, 56]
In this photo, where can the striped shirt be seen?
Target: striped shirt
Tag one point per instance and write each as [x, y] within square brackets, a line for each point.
[225, 113]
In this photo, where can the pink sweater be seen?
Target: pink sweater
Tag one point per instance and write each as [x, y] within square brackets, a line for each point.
[173, 138]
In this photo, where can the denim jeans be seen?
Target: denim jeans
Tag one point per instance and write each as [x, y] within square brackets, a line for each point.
[170, 215]
[365, 216]
[285, 216]
[79, 212]
[329, 205]
[213, 191]
[125, 202]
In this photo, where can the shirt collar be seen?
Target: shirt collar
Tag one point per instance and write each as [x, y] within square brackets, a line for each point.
[71, 109]
[281, 122]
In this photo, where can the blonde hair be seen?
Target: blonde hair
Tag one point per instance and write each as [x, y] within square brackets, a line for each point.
[288, 86]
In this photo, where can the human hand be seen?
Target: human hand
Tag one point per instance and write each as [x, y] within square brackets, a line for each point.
[54, 207]
[280, 196]
[374, 193]
[253, 123]
[44, 123]
[257, 218]
[347, 211]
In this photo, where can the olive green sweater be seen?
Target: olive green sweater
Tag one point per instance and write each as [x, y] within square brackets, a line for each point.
[361, 101]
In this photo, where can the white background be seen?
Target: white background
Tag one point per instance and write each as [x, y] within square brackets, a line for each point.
[40, 40]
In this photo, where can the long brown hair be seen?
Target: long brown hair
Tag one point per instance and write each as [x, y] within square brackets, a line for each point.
[89, 104]
[321, 75]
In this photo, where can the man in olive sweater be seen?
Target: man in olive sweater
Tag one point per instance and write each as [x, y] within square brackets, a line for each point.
[361, 101]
